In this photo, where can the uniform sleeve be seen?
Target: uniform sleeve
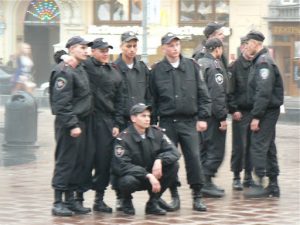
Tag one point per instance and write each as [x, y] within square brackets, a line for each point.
[232, 104]
[118, 101]
[203, 97]
[61, 99]
[153, 92]
[122, 164]
[168, 153]
[264, 86]
[218, 94]
[148, 96]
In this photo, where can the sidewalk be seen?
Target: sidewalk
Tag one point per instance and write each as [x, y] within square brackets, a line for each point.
[26, 195]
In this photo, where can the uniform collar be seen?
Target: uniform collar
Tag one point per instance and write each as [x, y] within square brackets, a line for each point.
[261, 52]
[97, 63]
[167, 65]
[123, 66]
[137, 137]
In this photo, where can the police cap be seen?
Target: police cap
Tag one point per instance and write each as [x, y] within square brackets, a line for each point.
[128, 36]
[211, 28]
[139, 108]
[213, 43]
[255, 35]
[244, 40]
[77, 40]
[168, 37]
[100, 43]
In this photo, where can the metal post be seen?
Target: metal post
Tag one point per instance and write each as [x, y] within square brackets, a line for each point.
[144, 25]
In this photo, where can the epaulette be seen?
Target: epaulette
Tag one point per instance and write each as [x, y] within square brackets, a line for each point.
[217, 64]
[158, 128]
[154, 64]
[262, 59]
[114, 65]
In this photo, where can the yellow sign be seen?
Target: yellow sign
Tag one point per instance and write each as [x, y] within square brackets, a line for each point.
[285, 30]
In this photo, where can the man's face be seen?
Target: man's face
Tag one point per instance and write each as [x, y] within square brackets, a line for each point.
[219, 52]
[141, 120]
[129, 49]
[172, 50]
[79, 52]
[250, 48]
[218, 34]
[101, 54]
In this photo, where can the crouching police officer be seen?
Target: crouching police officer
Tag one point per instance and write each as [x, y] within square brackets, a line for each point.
[144, 159]
[71, 102]
[265, 92]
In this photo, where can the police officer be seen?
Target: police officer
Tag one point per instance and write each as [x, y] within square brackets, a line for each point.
[144, 159]
[134, 73]
[70, 101]
[106, 86]
[265, 92]
[212, 30]
[213, 149]
[181, 101]
[240, 108]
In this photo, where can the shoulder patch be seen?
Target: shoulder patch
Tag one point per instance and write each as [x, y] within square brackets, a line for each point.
[119, 151]
[264, 73]
[60, 83]
[217, 64]
[219, 78]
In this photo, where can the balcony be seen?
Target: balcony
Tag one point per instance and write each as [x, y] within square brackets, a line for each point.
[279, 12]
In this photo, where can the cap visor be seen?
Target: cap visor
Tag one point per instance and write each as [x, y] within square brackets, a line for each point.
[130, 38]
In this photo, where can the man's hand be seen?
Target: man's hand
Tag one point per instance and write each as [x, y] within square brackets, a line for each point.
[154, 183]
[115, 131]
[75, 132]
[237, 116]
[254, 126]
[157, 169]
[201, 126]
[223, 125]
[70, 60]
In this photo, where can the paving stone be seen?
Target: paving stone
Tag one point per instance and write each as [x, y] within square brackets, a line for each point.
[26, 196]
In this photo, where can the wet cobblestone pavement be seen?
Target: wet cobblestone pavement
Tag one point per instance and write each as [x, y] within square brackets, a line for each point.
[26, 195]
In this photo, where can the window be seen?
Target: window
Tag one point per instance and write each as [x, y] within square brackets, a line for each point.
[203, 11]
[117, 11]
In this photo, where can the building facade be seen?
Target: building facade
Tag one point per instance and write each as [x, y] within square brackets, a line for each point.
[47, 24]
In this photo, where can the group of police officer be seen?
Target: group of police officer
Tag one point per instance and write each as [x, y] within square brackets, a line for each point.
[104, 110]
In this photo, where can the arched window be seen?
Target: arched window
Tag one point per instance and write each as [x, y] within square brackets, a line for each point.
[42, 12]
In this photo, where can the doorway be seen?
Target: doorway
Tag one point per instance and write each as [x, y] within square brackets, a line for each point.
[42, 38]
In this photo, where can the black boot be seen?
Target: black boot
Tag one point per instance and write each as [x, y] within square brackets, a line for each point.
[237, 185]
[80, 199]
[175, 203]
[198, 205]
[210, 190]
[273, 187]
[59, 208]
[100, 205]
[127, 206]
[119, 201]
[152, 206]
[162, 204]
[257, 191]
[73, 205]
[248, 181]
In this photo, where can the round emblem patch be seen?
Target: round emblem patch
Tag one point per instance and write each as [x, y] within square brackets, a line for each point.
[219, 78]
[119, 151]
[60, 83]
[264, 73]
